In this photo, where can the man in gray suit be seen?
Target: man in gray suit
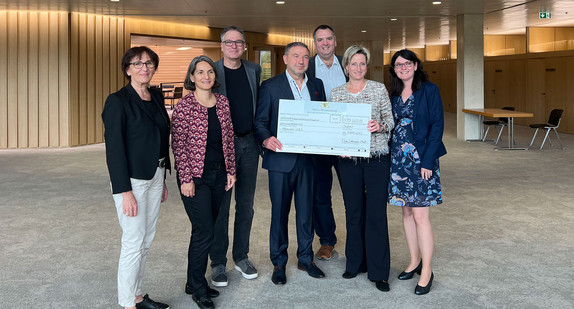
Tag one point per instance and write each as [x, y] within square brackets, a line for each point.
[239, 81]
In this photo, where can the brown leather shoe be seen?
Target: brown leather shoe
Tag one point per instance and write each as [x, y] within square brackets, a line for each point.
[325, 252]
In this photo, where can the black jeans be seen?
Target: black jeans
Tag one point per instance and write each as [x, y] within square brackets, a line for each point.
[246, 164]
[323, 218]
[365, 189]
[203, 211]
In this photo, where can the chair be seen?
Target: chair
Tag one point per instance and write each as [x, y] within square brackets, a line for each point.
[175, 95]
[552, 124]
[501, 122]
[167, 87]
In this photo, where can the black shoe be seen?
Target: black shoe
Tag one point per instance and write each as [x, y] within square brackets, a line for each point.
[422, 290]
[203, 302]
[312, 270]
[348, 275]
[279, 276]
[212, 293]
[148, 303]
[383, 285]
[409, 275]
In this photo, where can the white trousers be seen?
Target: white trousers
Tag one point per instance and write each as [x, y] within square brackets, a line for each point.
[137, 235]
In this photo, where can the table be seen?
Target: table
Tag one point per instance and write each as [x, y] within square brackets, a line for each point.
[496, 113]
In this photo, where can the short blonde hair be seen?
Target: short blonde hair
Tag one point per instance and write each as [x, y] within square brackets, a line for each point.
[353, 50]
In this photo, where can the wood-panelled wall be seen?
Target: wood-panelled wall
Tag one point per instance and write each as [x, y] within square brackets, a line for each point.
[57, 68]
[34, 84]
[501, 45]
[97, 44]
[550, 39]
[536, 83]
[173, 63]
[437, 52]
[442, 74]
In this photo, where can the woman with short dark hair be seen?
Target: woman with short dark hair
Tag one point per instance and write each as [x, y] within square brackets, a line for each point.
[203, 147]
[137, 153]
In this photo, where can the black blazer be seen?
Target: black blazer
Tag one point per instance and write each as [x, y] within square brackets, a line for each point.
[133, 139]
[272, 90]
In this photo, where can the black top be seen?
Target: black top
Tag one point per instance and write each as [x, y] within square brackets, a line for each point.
[214, 148]
[153, 109]
[240, 99]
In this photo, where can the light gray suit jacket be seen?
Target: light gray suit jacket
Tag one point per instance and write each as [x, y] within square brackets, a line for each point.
[253, 71]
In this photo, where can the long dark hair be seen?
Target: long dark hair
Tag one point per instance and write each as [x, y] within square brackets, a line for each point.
[419, 78]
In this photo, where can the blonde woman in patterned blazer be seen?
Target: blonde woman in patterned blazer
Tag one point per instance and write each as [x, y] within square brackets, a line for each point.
[364, 181]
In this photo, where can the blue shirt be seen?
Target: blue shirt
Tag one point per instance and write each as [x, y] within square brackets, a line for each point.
[299, 94]
[332, 77]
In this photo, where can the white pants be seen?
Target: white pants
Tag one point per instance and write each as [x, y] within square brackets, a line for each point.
[137, 236]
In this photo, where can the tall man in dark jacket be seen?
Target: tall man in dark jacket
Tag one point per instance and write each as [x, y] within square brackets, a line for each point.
[328, 67]
[239, 80]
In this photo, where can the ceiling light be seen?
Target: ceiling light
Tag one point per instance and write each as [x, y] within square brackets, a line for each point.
[115, 0]
[280, 2]
[183, 48]
[436, 2]
[393, 19]
[363, 31]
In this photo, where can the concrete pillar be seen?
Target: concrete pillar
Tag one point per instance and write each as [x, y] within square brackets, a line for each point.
[376, 65]
[470, 73]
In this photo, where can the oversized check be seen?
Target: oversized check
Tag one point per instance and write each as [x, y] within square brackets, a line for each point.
[329, 128]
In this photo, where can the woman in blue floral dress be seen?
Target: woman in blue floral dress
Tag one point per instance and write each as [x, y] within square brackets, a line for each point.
[416, 146]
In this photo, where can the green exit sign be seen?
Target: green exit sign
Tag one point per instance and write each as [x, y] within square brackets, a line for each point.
[544, 15]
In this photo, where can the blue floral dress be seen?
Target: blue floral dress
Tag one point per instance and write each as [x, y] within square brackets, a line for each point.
[406, 186]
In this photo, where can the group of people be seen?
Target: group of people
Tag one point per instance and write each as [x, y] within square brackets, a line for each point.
[228, 119]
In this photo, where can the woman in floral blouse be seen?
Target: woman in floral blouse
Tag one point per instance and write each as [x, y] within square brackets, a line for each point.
[203, 148]
[415, 149]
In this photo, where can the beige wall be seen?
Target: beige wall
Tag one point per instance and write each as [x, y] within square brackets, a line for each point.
[34, 66]
[535, 83]
[59, 67]
[97, 44]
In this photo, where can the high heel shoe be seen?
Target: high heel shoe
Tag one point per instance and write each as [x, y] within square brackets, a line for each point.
[409, 275]
[422, 290]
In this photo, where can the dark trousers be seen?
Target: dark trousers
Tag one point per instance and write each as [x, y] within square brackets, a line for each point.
[365, 188]
[282, 187]
[323, 219]
[203, 210]
[246, 164]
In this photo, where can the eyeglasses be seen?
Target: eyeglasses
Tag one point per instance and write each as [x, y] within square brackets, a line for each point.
[238, 43]
[407, 64]
[138, 64]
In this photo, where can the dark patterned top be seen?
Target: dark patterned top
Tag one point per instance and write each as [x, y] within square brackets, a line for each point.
[189, 136]
[406, 186]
